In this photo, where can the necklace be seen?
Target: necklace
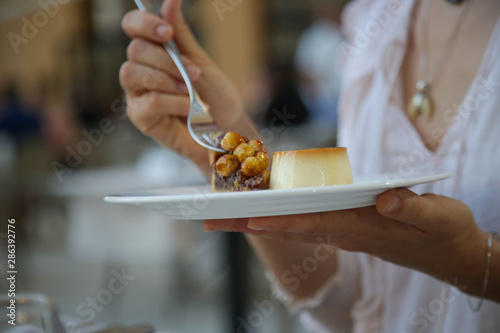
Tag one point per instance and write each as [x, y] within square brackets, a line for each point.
[421, 103]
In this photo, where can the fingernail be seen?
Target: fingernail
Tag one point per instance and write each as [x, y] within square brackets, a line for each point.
[256, 227]
[392, 205]
[163, 31]
[193, 71]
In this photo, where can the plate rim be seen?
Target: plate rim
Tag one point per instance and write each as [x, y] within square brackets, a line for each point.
[347, 188]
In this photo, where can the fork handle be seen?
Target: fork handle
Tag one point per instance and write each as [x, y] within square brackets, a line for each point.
[171, 48]
[174, 53]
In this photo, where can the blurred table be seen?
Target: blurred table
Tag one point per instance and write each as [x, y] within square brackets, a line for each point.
[117, 234]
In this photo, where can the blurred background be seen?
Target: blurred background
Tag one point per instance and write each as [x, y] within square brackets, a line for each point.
[65, 142]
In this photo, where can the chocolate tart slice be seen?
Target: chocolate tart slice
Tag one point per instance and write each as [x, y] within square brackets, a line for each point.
[243, 167]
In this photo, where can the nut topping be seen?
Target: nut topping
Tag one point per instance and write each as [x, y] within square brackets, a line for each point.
[243, 151]
[231, 140]
[243, 167]
[227, 164]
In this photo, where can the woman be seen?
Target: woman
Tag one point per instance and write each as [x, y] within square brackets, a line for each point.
[420, 94]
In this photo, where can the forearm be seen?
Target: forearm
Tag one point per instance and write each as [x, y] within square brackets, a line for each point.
[300, 268]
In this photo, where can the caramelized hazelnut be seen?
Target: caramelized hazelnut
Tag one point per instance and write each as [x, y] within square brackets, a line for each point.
[258, 145]
[263, 160]
[226, 165]
[243, 151]
[251, 167]
[231, 140]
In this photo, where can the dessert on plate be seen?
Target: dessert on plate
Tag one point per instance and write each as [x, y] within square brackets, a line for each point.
[310, 167]
[243, 167]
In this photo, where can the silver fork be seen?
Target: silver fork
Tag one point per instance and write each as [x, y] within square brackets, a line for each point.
[200, 123]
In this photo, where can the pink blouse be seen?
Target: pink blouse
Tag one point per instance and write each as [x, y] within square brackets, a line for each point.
[371, 295]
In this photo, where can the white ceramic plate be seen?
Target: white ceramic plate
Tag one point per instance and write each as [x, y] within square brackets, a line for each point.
[198, 203]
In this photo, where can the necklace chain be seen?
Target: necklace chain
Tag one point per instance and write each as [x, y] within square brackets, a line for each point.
[421, 103]
[439, 65]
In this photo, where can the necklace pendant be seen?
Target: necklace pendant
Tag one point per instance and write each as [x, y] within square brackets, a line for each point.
[421, 103]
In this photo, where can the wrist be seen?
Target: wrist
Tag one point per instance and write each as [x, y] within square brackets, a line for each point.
[493, 288]
[472, 274]
[476, 270]
[462, 265]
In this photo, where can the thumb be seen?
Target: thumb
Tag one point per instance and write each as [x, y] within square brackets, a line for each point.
[187, 44]
[406, 206]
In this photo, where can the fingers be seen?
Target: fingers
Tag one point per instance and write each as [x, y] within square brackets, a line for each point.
[137, 24]
[161, 127]
[187, 44]
[154, 56]
[290, 223]
[424, 212]
[318, 223]
[230, 225]
[137, 79]
[144, 111]
[240, 225]
[309, 238]
[212, 85]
